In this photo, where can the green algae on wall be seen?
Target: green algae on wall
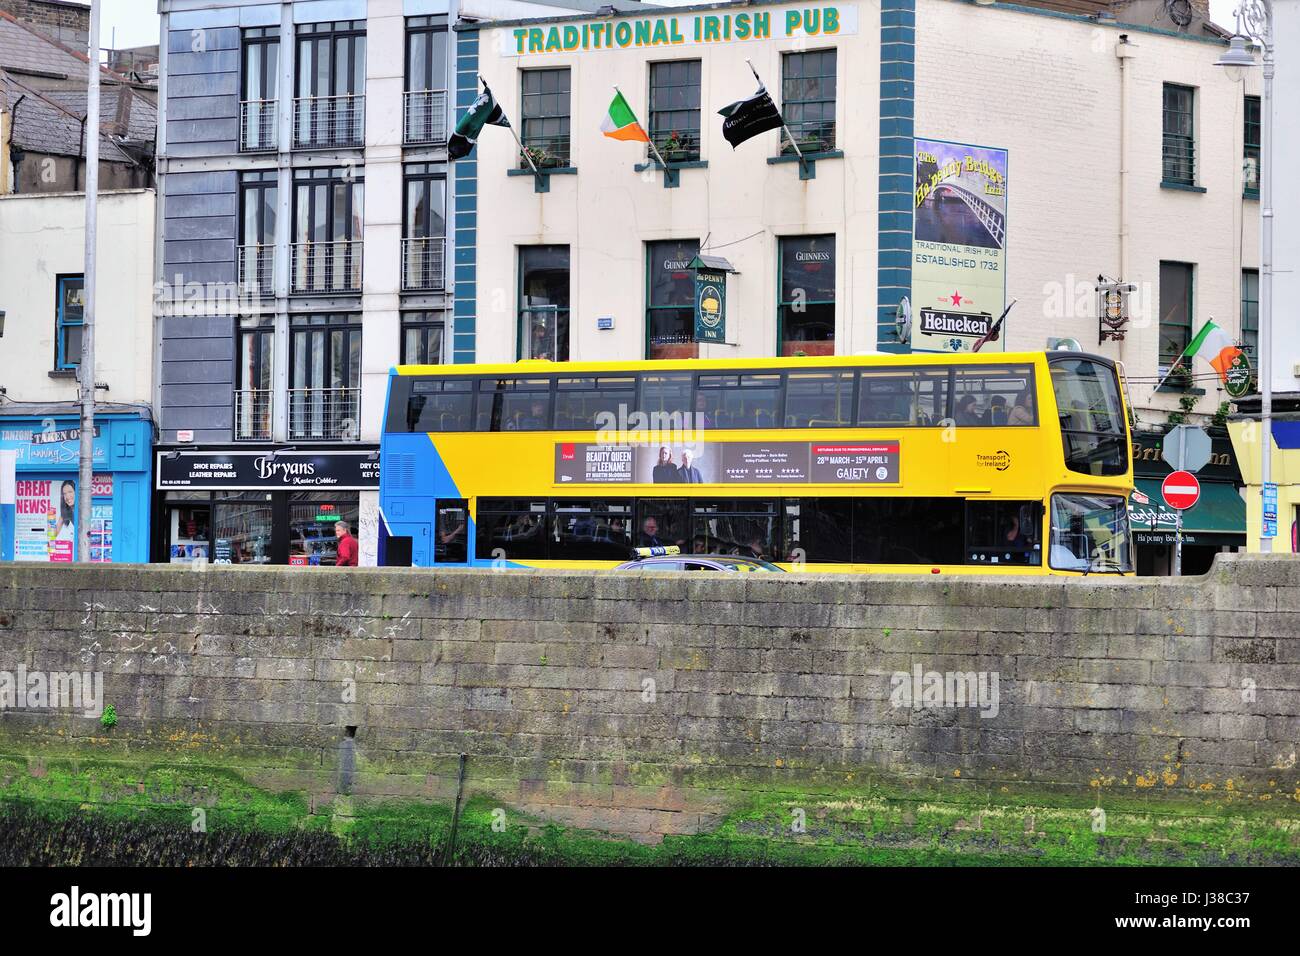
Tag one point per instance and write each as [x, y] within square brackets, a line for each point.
[102, 812]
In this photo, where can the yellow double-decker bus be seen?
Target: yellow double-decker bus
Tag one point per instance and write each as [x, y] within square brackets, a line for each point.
[1007, 463]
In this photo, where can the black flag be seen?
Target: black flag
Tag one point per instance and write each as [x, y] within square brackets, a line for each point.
[747, 118]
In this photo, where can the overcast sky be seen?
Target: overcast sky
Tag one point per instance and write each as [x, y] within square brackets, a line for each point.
[136, 21]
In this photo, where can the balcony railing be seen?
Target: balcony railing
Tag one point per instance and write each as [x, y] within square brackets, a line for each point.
[257, 126]
[253, 414]
[257, 269]
[324, 414]
[329, 122]
[426, 117]
[424, 264]
[326, 267]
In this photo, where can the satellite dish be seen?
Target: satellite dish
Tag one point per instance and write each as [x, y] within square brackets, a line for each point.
[903, 320]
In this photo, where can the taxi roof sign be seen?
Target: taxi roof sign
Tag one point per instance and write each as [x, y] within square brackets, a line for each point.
[657, 552]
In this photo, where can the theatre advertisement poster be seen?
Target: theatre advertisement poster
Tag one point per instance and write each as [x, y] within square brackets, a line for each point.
[873, 462]
[959, 275]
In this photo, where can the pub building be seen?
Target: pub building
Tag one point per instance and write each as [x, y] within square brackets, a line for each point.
[243, 506]
[1217, 522]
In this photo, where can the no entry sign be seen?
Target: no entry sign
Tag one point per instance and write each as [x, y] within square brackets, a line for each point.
[1181, 490]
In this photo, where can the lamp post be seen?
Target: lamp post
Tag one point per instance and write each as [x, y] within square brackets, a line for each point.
[1255, 23]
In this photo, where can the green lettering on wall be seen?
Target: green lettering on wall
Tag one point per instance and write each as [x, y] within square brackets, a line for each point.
[677, 34]
[535, 40]
[571, 38]
[623, 33]
[710, 29]
[520, 36]
[553, 40]
[742, 26]
[792, 21]
[831, 20]
[661, 33]
[762, 25]
[643, 28]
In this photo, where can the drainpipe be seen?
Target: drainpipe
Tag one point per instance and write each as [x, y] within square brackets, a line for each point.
[1123, 51]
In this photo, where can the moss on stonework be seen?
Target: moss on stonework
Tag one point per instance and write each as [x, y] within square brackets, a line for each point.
[63, 811]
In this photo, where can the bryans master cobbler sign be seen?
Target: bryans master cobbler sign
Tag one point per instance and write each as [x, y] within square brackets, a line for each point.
[261, 471]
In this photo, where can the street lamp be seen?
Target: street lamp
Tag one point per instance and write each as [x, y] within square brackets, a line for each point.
[1255, 22]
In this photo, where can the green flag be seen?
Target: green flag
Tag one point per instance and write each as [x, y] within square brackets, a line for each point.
[482, 111]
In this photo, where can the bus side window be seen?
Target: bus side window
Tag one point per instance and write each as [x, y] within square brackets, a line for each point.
[887, 399]
[818, 399]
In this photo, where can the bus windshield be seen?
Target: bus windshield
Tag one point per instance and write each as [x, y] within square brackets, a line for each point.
[1091, 533]
[1091, 414]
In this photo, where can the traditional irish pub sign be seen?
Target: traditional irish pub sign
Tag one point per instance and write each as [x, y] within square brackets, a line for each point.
[959, 266]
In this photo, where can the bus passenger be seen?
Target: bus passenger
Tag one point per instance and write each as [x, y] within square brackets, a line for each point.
[650, 534]
[1015, 538]
[536, 417]
[967, 411]
[1023, 411]
[997, 413]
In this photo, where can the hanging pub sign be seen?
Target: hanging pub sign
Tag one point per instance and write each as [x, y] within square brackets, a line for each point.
[711, 297]
[1239, 380]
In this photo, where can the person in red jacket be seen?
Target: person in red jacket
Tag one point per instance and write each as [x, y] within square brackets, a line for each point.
[347, 545]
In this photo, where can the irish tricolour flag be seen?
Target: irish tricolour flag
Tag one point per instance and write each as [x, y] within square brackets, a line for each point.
[621, 123]
[1213, 345]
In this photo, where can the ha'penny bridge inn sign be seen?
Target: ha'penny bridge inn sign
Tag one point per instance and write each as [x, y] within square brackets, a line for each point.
[674, 31]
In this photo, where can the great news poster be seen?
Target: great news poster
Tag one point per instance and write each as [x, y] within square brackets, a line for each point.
[45, 525]
[959, 265]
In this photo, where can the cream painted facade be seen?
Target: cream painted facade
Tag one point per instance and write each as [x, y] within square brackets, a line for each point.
[1077, 103]
[42, 236]
[1061, 96]
[741, 203]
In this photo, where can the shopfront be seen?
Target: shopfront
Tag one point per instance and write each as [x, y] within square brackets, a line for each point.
[235, 506]
[1216, 523]
[47, 452]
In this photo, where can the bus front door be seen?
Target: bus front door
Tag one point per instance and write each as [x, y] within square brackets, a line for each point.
[451, 531]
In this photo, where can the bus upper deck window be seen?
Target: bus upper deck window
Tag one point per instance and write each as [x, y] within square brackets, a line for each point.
[514, 404]
[440, 405]
[818, 399]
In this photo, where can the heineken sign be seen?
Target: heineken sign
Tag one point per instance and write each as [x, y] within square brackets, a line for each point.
[678, 31]
[710, 306]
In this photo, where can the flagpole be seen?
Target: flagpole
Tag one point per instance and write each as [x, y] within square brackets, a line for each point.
[798, 152]
[1178, 361]
[994, 327]
[518, 142]
[653, 148]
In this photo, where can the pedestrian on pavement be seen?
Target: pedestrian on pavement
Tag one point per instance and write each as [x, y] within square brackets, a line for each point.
[347, 545]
